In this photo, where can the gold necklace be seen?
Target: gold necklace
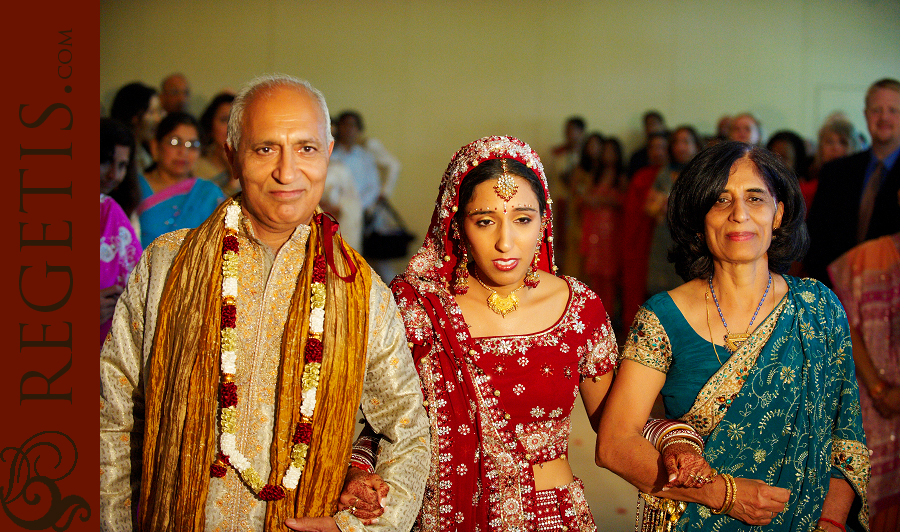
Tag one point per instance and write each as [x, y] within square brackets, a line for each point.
[708, 326]
[499, 304]
[734, 341]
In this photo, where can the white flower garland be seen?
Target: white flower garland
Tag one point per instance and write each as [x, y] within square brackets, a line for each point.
[310, 377]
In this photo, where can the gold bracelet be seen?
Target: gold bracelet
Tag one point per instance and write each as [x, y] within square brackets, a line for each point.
[729, 495]
[733, 494]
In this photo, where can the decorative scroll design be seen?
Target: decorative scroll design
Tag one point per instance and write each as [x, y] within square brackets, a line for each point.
[31, 497]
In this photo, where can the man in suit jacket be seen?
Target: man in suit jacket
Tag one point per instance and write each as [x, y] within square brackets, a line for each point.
[834, 218]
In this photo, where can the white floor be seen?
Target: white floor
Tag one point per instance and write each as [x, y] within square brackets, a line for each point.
[612, 500]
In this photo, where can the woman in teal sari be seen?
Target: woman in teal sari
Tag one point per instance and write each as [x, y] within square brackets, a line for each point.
[758, 362]
[172, 197]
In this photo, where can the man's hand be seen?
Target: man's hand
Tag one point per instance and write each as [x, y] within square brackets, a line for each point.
[312, 524]
[363, 495]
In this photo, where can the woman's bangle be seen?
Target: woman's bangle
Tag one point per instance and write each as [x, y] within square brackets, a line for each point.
[878, 391]
[685, 441]
[832, 522]
[730, 492]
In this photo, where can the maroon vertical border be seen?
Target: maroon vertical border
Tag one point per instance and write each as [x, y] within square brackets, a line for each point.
[49, 386]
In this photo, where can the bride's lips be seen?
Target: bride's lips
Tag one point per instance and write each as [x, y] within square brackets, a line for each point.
[505, 265]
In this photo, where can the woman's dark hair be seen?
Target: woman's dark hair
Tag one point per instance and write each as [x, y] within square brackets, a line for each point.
[585, 162]
[206, 119]
[493, 168]
[801, 160]
[697, 189]
[131, 101]
[172, 121]
[115, 133]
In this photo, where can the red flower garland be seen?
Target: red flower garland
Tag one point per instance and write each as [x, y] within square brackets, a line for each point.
[271, 493]
[313, 351]
[303, 434]
[218, 469]
[227, 394]
[230, 243]
[229, 316]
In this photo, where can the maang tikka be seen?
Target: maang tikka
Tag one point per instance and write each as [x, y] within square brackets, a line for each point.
[506, 186]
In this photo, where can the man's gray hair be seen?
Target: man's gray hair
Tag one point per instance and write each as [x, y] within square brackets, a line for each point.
[261, 85]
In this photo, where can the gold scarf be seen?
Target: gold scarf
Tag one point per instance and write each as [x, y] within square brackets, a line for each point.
[184, 374]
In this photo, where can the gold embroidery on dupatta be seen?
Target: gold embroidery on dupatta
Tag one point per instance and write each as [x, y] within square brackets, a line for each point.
[716, 396]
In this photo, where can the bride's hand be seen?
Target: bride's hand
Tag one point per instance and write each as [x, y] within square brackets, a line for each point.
[686, 467]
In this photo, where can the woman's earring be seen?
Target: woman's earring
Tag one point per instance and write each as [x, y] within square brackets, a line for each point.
[533, 277]
[461, 273]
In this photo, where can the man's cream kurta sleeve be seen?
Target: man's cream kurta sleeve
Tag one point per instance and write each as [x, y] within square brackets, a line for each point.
[122, 366]
[392, 405]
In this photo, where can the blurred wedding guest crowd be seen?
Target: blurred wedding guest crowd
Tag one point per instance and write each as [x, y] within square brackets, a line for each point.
[621, 229]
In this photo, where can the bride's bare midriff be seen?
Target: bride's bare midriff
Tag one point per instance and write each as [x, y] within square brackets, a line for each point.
[552, 474]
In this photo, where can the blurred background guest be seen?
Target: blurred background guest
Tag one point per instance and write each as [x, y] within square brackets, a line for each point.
[867, 281]
[341, 199]
[856, 199]
[637, 228]
[745, 127]
[684, 143]
[653, 123]
[138, 106]
[213, 163]
[172, 197]
[600, 183]
[120, 249]
[563, 160]
[791, 149]
[175, 93]
[837, 138]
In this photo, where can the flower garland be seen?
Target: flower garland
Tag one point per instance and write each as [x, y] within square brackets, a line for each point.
[229, 454]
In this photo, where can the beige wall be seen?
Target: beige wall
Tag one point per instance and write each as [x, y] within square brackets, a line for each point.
[429, 77]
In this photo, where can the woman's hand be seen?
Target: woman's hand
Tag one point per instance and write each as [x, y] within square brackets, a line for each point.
[757, 503]
[888, 405]
[686, 467]
[363, 495]
[108, 298]
[312, 524]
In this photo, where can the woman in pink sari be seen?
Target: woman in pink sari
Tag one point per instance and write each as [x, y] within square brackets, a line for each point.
[119, 245]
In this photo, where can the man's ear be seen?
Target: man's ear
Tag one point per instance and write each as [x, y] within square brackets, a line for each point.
[229, 154]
